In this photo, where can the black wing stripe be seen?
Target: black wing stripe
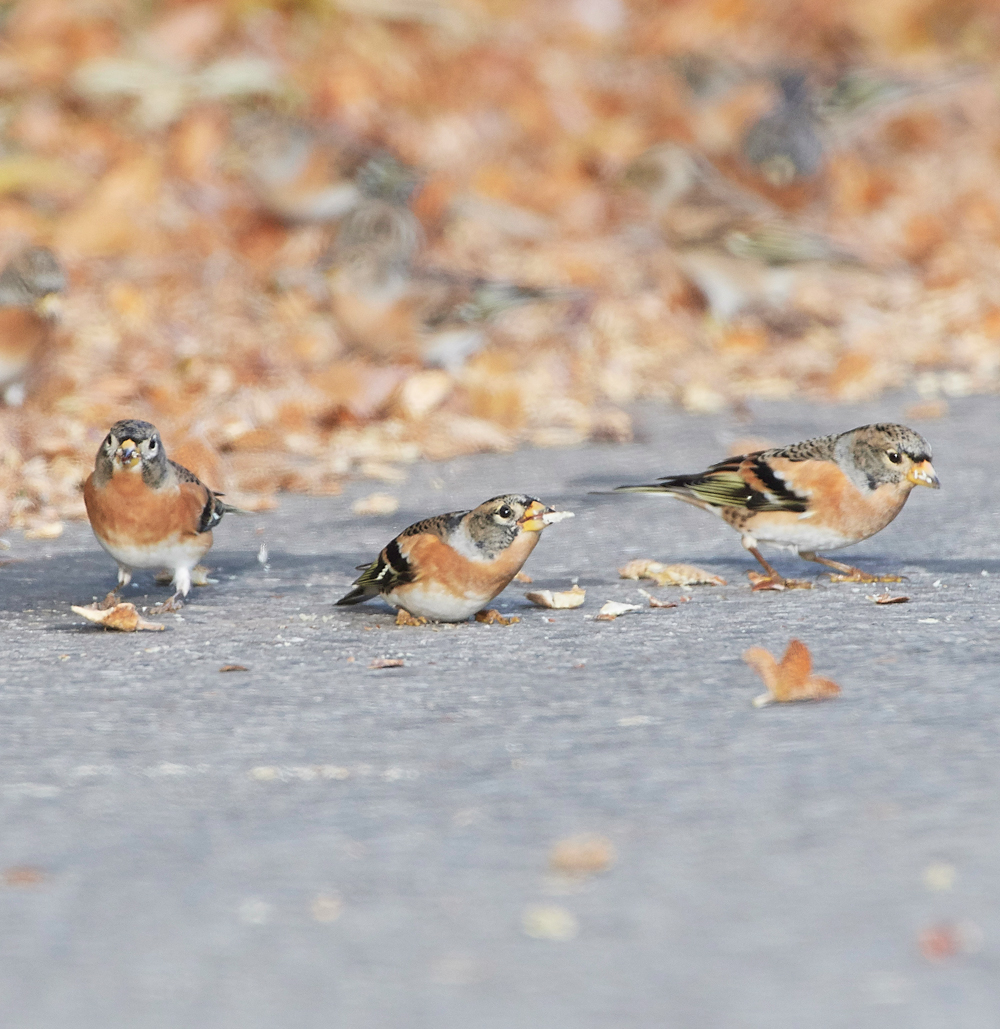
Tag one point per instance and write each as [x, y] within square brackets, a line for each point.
[781, 494]
[401, 571]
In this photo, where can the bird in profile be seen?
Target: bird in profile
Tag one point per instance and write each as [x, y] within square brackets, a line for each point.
[459, 310]
[736, 247]
[29, 285]
[449, 567]
[821, 494]
[292, 167]
[148, 511]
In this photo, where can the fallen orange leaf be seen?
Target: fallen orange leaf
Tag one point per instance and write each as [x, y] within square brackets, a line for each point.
[792, 679]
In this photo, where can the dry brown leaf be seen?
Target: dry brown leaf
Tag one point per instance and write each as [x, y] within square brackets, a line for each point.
[581, 856]
[403, 617]
[886, 598]
[938, 942]
[493, 617]
[655, 602]
[122, 616]
[558, 601]
[669, 575]
[792, 679]
[387, 662]
[760, 582]
[23, 875]
[234, 668]
[865, 577]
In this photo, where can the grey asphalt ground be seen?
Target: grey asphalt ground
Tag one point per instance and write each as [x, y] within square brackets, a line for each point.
[314, 843]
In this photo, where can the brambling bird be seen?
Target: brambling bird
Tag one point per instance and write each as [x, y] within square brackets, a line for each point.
[378, 239]
[784, 144]
[293, 168]
[459, 311]
[823, 494]
[448, 567]
[735, 246]
[28, 285]
[148, 511]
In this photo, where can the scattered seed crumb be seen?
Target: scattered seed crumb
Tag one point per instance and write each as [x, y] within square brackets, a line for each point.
[581, 856]
[549, 922]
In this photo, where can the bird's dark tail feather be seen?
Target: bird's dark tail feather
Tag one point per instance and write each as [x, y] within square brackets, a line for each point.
[651, 488]
[358, 595]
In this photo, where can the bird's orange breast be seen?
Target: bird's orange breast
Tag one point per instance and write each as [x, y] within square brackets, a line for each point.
[435, 560]
[125, 509]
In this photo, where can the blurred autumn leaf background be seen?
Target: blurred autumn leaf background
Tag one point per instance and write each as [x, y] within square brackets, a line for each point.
[319, 238]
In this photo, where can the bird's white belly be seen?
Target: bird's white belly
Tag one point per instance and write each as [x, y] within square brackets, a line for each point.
[172, 554]
[426, 600]
[803, 535]
[12, 369]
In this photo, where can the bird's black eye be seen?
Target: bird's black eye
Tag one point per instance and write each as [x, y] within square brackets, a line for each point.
[505, 511]
[895, 456]
[152, 446]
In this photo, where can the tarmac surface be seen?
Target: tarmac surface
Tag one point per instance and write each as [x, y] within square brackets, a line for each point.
[316, 843]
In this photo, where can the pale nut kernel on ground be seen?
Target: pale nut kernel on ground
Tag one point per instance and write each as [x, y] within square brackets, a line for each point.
[669, 575]
[563, 600]
[549, 922]
[123, 616]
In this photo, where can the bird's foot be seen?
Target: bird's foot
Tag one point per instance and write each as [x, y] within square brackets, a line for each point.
[493, 617]
[175, 603]
[199, 576]
[405, 618]
[110, 601]
[856, 575]
[759, 583]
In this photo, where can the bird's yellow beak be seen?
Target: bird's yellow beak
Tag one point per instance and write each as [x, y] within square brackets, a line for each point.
[532, 520]
[50, 306]
[127, 454]
[923, 474]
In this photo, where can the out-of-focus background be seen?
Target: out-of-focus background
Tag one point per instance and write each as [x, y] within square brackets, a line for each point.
[325, 237]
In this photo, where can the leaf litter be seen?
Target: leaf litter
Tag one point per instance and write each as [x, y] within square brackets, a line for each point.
[198, 193]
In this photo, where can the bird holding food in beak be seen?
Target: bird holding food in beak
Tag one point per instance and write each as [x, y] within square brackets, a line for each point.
[449, 567]
[148, 511]
[822, 494]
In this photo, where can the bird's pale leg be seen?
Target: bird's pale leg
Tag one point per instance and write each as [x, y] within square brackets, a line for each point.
[773, 580]
[182, 582]
[112, 599]
[771, 571]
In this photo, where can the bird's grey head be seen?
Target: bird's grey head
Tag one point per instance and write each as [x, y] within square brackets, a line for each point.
[132, 446]
[495, 524]
[30, 276]
[888, 453]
